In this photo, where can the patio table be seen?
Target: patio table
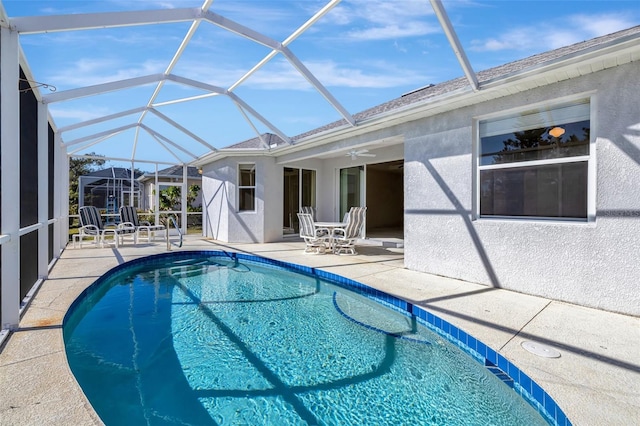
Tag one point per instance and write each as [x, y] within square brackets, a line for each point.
[330, 226]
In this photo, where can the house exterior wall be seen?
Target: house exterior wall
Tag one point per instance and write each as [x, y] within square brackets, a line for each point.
[222, 220]
[217, 181]
[271, 189]
[593, 264]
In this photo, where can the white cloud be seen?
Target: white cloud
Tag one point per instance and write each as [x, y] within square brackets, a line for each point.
[222, 74]
[264, 16]
[392, 31]
[399, 47]
[599, 25]
[379, 75]
[91, 71]
[517, 39]
[280, 74]
[382, 12]
[78, 114]
[152, 4]
[382, 19]
[332, 74]
[551, 35]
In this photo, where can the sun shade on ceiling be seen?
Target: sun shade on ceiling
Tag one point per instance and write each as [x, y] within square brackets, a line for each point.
[146, 118]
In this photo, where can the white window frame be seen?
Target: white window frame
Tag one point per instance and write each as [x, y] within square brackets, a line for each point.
[241, 187]
[590, 159]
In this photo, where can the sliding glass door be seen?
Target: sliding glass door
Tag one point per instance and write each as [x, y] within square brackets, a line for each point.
[351, 189]
[308, 187]
[299, 190]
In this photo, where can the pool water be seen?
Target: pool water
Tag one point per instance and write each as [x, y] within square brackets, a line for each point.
[218, 341]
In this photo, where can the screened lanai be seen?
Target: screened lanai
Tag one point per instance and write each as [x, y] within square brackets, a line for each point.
[62, 114]
[110, 188]
[163, 84]
[399, 103]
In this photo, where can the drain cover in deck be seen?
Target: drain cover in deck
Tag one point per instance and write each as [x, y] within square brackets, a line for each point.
[540, 349]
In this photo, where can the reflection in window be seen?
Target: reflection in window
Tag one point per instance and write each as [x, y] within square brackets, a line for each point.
[351, 188]
[246, 187]
[536, 144]
[536, 164]
[558, 190]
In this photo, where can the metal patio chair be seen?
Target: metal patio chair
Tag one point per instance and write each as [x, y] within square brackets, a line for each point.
[316, 239]
[344, 239]
[129, 217]
[92, 226]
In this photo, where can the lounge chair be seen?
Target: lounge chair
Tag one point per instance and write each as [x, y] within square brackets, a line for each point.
[144, 229]
[344, 239]
[315, 238]
[92, 226]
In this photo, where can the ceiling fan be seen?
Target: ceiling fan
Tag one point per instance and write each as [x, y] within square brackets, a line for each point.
[355, 153]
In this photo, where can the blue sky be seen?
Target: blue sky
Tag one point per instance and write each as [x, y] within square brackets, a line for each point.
[365, 52]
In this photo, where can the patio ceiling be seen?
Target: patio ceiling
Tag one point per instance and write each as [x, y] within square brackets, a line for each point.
[152, 124]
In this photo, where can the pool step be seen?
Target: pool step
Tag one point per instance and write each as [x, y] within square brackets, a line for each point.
[499, 373]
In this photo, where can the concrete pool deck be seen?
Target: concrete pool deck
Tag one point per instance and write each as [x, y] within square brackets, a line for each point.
[596, 381]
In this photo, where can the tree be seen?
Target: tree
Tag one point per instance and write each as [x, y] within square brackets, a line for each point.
[191, 197]
[538, 144]
[171, 198]
[79, 167]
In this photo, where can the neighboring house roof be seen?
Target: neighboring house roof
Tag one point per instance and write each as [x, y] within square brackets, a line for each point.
[173, 172]
[255, 143]
[450, 86]
[114, 172]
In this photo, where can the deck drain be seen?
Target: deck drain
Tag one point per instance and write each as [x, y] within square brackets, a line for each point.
[540, 349]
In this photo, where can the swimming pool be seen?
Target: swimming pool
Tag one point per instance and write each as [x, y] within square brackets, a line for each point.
[211, 338]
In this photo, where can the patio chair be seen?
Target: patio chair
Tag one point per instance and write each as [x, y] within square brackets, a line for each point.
[344, 239]
[129, 217]
[93, 227]
[309, 210]
[312, 211]
[315, 238]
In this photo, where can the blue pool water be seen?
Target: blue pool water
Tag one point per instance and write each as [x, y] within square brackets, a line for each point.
[214, 340]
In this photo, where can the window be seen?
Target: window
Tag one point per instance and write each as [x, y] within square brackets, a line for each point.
[536, 164]
[246, 187]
